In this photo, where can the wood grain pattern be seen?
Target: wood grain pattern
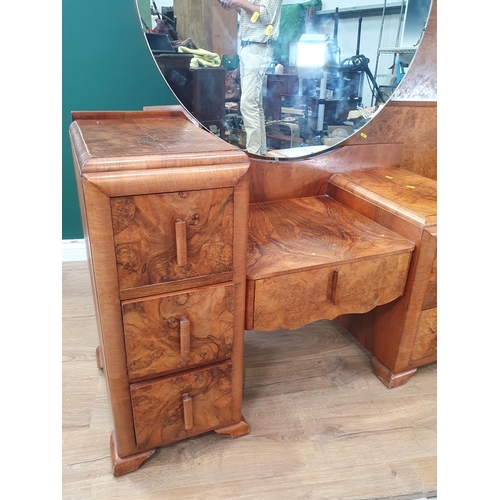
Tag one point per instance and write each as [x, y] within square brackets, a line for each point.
[145, 140]
[144, 229]
[307, 233]
[293, 300]
[404, 194]
[213, 28]
[414, 126]
[152, 329]
[425, 346]
[430, 299]
[234, 430]
[159, 409]
[296, 249]
[98, 229]
[416, 296]
[129, 167]
[159, 415]
[407, 204]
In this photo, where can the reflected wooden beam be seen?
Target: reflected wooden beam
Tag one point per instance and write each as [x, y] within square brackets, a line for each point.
[208, 25]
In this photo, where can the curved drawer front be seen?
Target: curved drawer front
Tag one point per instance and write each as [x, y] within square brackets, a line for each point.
[182, 405]
[292, 300]
[178, 331]
[172, 236]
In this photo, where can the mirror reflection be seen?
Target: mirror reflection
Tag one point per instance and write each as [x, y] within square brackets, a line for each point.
[283, 78]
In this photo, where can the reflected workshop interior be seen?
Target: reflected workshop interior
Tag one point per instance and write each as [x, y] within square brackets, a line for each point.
[335, 63]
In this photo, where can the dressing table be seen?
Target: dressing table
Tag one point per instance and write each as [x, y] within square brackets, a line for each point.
[181, 263]
[190, 241]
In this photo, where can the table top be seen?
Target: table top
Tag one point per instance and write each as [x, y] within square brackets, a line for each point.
[131, 140]
[410, 195]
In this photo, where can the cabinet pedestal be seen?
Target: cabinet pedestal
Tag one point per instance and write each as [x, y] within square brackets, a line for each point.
[401, 335]
[164, 209]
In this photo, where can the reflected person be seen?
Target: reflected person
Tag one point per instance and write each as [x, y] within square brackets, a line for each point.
[259, 28]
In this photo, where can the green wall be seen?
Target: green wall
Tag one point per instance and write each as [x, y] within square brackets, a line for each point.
[106, 65]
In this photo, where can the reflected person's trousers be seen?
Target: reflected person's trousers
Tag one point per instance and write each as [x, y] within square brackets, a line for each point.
[254, 61]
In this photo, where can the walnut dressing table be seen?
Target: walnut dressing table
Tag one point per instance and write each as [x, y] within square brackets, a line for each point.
[181, 263]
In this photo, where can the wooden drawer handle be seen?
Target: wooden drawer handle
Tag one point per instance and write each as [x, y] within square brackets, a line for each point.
[187, 404]
[181, 242]
[335, 279]
[185, 336]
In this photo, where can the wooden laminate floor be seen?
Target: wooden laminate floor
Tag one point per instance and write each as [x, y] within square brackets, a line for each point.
[322, 426]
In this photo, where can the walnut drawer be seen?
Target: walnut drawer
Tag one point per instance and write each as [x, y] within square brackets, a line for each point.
[425, 345]
[150, 232]
[430, 299]
[315, 258]
[182, 405]
[178, 331]
[293, 300]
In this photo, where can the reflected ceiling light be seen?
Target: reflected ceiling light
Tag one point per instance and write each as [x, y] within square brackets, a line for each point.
[311, 57]
[311, 50]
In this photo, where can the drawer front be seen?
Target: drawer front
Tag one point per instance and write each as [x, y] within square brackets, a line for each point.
[179, 406]
[172, 236]
[177, 331]
[425, 345]
[430, 299]
[293, 300]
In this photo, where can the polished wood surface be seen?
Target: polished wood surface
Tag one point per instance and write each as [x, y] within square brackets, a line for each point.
[307, 233]
[425, 347]
[156, 211]
[319, 421]
[402, 193]
[125, 138]
[148, 238]
[131, 463]
[177, 331]
[314, 258]
[293, 300]
[401, 335]
[414, 125]
[162, 414]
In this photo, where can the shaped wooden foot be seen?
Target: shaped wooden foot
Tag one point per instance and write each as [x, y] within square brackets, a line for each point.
[235, 430]
[128, 464]
[390, 379]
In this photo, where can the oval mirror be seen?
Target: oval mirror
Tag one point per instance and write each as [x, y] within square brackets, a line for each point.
[330, 67]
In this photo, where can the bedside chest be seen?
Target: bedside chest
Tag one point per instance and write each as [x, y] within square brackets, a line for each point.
[164, 208]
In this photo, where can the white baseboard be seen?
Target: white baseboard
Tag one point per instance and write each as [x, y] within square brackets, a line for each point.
[73, 250]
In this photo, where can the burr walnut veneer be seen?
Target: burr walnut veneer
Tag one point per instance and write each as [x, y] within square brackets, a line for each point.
[401, 335]
[165, 212]
[181, 262]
